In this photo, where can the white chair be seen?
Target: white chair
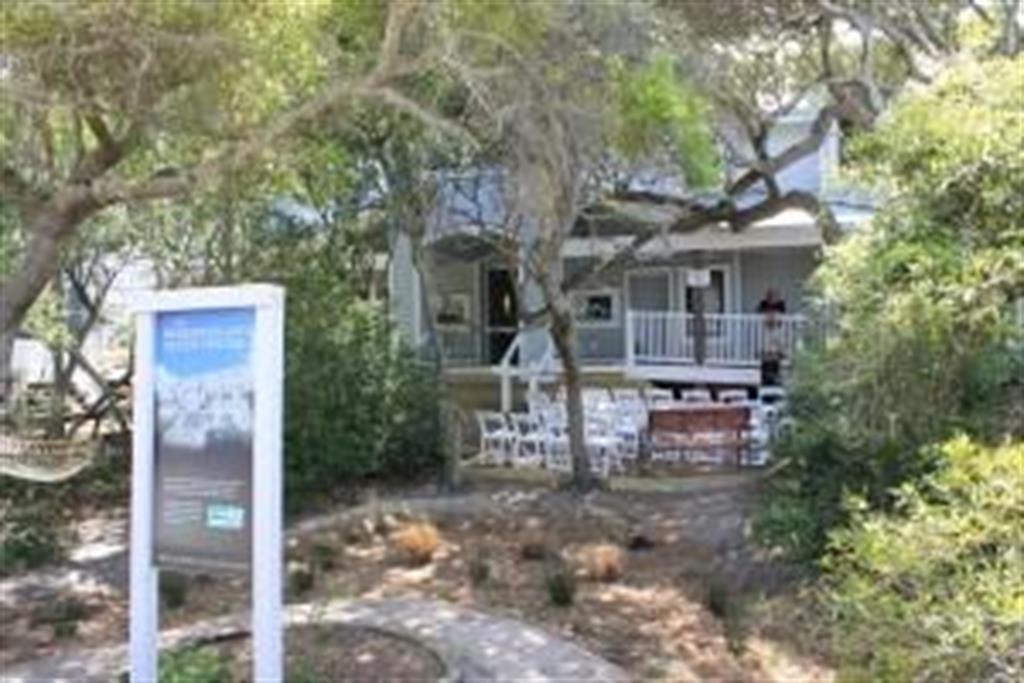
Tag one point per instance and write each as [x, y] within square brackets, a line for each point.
[655, 396]
[531, 440]
[734, 397]
[603, 446]
[497, 439]
[537, 402]
[696, 396]
[557, 456]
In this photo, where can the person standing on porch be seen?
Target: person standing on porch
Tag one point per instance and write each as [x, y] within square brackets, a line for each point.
[771, 307]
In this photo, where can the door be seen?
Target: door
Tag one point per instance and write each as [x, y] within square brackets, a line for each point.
[707, 331]
[502, 313]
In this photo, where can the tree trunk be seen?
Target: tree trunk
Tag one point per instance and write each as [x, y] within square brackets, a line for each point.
[47, 227]
[563, 332]
[6, 369]
[451, 438]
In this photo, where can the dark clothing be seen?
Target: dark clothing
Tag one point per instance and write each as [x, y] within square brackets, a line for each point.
[766, 306]
[771, 371]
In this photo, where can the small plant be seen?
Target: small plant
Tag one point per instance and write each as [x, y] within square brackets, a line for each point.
[62, 615]
[418, 541]
[479, 569]
[173, 590]
[193, 665]
[560, 584]
[300, 578]
[533, 542]
[322, 556]
[730, 610]
[602, 562]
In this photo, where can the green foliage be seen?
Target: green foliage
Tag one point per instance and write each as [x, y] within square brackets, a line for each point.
[36, 520]
[62, 615]
[359, 405]
[654, 108]
[193, 665]
[731, 609]
[560, 584]
[924, 341]
[479, 568]
[173, 590]
[934, 592]
[29, 541]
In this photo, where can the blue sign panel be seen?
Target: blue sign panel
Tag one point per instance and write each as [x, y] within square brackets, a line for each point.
[204, 439]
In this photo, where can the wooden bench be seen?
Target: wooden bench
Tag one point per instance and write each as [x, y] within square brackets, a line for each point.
[705, 427]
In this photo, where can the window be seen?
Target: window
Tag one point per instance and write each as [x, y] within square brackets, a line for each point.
[598, 308]
[453, 310]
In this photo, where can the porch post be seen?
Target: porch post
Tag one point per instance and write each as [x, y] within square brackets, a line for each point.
[630, 344]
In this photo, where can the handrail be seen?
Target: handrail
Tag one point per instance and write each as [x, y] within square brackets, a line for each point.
[730, 338]
[505, 370]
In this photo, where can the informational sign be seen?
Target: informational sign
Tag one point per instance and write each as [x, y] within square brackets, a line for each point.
[206, 456]
[698, 277]
[204, 439]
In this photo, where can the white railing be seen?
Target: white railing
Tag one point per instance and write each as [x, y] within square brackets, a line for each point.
[730, 338]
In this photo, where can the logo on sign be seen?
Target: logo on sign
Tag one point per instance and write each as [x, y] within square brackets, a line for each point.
[230, 517]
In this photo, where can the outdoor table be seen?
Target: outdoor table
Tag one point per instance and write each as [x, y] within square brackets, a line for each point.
[700, 426]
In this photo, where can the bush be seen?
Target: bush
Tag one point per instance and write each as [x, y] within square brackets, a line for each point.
[602, 562]
[193, 665]
[934, 592]
[533, 541]
[730, 609]
[173, 589]
[63, 615]
[919, 307]
[417, 542]
[560, 583]
[479, 569]
[359, 404]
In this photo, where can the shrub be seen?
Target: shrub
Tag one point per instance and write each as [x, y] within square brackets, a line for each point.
[301, 578]
[359, 403]
[602, 562]
[730, 609]
[63, 615]
[922, 342]
[934, 592]
[173, 589]
[193, 665]
[323, 557]
[417, 541]
[560, 583]
[533, 541]
[479, 569]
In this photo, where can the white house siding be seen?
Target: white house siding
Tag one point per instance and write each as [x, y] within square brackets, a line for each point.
[784, 269]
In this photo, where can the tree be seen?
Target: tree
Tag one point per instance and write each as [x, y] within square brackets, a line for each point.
[128, 102]
[925, 342]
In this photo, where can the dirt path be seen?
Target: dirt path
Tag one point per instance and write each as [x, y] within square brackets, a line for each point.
[654, 622]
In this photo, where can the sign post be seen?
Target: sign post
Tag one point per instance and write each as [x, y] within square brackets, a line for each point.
[207, 469]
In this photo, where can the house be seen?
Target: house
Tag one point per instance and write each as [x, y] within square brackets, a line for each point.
[686, 314]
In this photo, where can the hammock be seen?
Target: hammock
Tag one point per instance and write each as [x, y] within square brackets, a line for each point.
[46, 461]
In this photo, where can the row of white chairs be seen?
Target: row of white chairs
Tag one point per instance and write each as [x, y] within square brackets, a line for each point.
[614, 425]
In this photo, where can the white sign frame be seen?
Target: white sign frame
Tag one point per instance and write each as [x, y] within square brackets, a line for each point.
[267, 302]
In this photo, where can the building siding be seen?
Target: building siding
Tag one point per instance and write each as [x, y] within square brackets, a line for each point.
[787, 270]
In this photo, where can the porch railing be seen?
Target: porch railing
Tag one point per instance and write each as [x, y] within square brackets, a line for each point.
[730, 338]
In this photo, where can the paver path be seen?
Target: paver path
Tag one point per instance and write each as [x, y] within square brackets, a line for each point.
[481, 647]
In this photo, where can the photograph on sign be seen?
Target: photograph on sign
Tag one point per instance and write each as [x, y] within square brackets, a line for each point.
[204, 439]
